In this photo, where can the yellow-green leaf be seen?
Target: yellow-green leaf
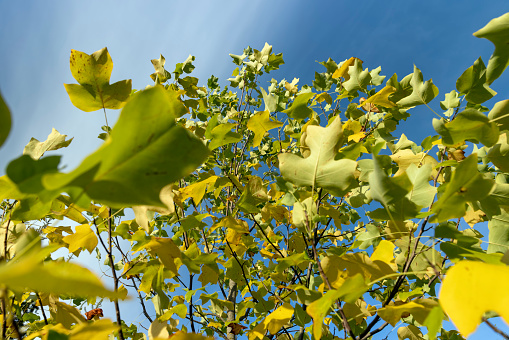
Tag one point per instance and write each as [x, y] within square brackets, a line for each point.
[472, 288]
[381, 98]
[166, 251]
[84, 237]
[94, 92]
[342, 71]
[273, 322]
[260, 123]
[197, 190]
[55, 141]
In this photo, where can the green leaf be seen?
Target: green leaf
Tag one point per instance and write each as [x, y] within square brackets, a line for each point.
[450, 102]
[55, 141]
[55, 277]
[499, 153]
[469, 125]
[422, 193]
[419, 308]
[222, 135]
[500, 114]
[466, 185]
[474, 85]
[145, 152]
[434, 322]
[299, 108]
[5, 118]
[270, 100]
[409, 332]
[94, 92]
[422, 92]
[319, 167]
[260, 123]
[497, 31]
[499, 233]
[358, 79]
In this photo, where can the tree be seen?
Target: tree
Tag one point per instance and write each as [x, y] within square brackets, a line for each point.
[287, 212]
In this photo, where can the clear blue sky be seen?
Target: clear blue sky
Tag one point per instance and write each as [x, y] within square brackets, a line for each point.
[36, 38]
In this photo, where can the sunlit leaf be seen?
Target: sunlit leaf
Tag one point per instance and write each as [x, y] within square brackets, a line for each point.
[358, 78]
[381, 98]
[496, 31]
[222, 134]
[260, 123]
[471, 289]
[273, 322]
[422, 92]
[84, 237]
[319, 168]
[474, 85]
[145, 152]
[299, 108]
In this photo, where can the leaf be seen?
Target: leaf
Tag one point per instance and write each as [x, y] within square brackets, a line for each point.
[166, 251]
[94, 92]
[450, 102]
[254, 194]
[410, 332]
[273, 322]
[161, 75]
[55, 277]
[5, 118]
[145, 152]
[55, 141]
[381, 98]
[474, 85]
[99, 329]
[84, 237]
[180, 335]
[419, 308]
[197, 190]
[434, 322]
[500, 114]
[319, 167]
[299, 108]
[352, 288]
[467, 185]
[422, 193]
[422, 92]
[64, 313]
[470, 125]
[270, 101]
[496, 31]
[471, 289]
[222, 135]
[499, 233]
[358, 79]
[342, 71]
[260, 123]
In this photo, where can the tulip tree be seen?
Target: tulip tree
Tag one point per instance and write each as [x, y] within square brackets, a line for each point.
[249, 211]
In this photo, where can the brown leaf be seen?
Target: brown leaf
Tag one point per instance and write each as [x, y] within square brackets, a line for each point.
[236, 328]
[94, 314]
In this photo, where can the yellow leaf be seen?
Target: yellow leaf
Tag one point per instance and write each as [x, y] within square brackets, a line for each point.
[324, 96]
[381, 98]
[356, 137]
[385, 252]
[418, 308]
[197, 190]
[84, 237]
[260, 123]
[98, 330]
[472, 288]
[273, 322]
[166, 251]
[404, 158]
[180, 335]
[64, 313]
[343, 70]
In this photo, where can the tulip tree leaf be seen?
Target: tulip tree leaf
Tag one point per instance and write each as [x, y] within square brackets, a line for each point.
[450, 102]
[499, 153]
[422, 92]
[499, 233]
[255, 193]
[358, 79]
[60, 278]
[260, 123]
[471, 289]
[145, 152]
[496, 31]
[469, 125]
[474, 85]
[94, 91]
[299, 108]
[467, 185]
[381, 98]
[222, 134]
[55, 141]
[500, 114]
[5, 118]
[84, 237]
[160, 75]
[273, 322]
[319, 167]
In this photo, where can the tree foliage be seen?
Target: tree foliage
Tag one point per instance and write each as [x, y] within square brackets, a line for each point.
[282, 212]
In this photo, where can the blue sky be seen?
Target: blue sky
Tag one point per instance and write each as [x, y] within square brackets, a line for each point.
[37, 36]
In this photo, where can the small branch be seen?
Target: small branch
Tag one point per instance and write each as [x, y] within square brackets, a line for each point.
[495, 329]
[42, 309]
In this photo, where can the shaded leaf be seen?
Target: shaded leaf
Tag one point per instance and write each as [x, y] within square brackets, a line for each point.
[474, 85]
[222, 135]
[260, 123]
[299, 108]
[5, 118]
